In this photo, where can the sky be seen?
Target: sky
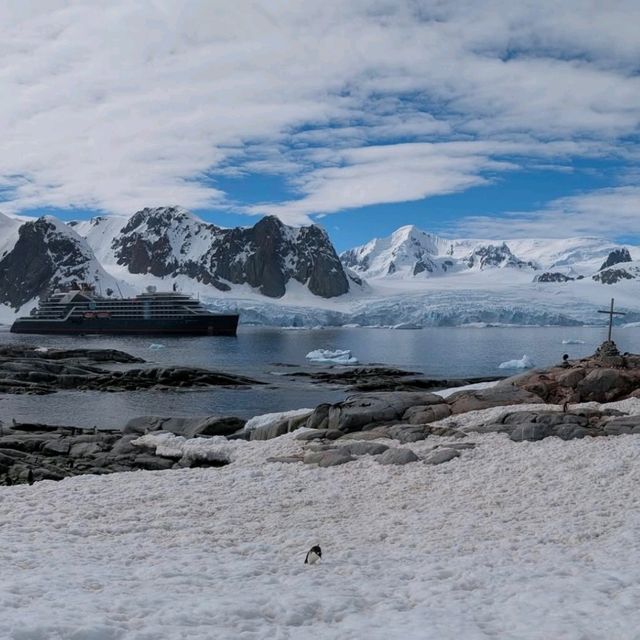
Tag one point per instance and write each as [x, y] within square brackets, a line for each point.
[488, 119]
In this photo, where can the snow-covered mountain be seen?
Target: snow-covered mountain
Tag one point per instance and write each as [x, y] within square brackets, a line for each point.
[410, 253]
[171, 243]
[286, 276]
[39, 255]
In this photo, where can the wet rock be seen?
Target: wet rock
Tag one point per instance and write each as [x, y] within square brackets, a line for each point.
[319, 434]
[604, 385]
[622, 425]
[285, 459]
[460, 446]
[531, 431]
[319, 419]
[363, 410]
[397, 456]
[441, 456]
[498, 396]
[152, 463]
[56, 447]
[423, 414]
[405, 433]
[445, 432]
[330, 458]
[188, 427]
[365, 448]
[25, 370]
[123, 445]
[84, 449]
[371, 434]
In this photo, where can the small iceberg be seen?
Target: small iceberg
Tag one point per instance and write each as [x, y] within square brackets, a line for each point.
[572, 341]
[332, 357]
[156, 345]
[42, 349]
[524, 363]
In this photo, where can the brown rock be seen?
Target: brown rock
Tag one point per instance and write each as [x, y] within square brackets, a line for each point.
[430, 413]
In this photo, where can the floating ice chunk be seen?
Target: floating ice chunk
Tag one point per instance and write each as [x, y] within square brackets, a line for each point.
[156, 345]
[42, 349]
[572, 341]
[524, 363]
[334, 357]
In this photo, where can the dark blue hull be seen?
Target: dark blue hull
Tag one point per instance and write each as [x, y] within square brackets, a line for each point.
[202, 325]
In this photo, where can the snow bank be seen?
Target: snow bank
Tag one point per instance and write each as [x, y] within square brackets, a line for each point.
[524, 541]
[268, 419]
[333, 357]
[524, 363]
[215, 449]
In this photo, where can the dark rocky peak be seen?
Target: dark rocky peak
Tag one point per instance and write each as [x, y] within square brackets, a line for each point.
[270, 254]
[169, 242]
[157, 240]
[46, 254]
[617, 256]
[613, 275]
[553, 276]
[157, 220]
[491, 255]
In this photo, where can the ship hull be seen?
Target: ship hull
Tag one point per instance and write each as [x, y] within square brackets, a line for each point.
[214, 325]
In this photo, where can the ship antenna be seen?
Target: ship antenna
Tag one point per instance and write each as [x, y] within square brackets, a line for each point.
[120, 292]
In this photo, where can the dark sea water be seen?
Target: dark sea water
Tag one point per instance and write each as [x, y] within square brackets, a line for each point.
[262, 353]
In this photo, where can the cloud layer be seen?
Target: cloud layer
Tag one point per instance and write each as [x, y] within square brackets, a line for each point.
[119, 105]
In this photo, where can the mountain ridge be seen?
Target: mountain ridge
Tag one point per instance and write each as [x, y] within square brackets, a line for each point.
[292, 276]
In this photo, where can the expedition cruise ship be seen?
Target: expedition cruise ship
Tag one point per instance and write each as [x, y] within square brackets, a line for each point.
[80, 310]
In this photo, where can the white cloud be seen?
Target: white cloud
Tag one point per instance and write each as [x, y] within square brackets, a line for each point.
[604, 212]
[126, 104]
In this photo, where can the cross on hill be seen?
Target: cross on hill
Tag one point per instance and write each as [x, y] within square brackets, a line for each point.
[612, 313]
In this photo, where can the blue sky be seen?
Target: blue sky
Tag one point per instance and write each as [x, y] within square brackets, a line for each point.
[493, 119]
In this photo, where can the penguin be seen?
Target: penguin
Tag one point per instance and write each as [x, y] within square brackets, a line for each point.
[313, 555]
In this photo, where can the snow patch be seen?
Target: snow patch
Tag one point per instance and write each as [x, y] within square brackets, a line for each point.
[168, 445]
[268, 419]
[513, 530]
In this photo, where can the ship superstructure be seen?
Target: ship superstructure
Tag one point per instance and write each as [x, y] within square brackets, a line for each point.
[80, 310]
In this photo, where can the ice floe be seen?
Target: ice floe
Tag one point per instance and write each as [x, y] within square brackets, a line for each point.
[333, 357]
[524, 363]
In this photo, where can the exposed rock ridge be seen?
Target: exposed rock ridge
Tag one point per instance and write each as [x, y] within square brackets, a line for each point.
[170, 242]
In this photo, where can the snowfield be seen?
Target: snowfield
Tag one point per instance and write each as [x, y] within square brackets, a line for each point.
[511, 540]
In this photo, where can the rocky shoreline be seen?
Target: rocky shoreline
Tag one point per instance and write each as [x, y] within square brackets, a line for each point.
[378, 420]
[40, 371]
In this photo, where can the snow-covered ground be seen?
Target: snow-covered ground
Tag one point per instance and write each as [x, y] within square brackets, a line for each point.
[511, 540]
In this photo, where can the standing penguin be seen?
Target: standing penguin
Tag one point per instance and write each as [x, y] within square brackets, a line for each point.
[313, 555]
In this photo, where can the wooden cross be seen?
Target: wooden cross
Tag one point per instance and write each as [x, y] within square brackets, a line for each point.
[612, 313]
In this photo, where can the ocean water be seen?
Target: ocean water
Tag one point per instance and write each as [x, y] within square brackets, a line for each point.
[267, 353]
